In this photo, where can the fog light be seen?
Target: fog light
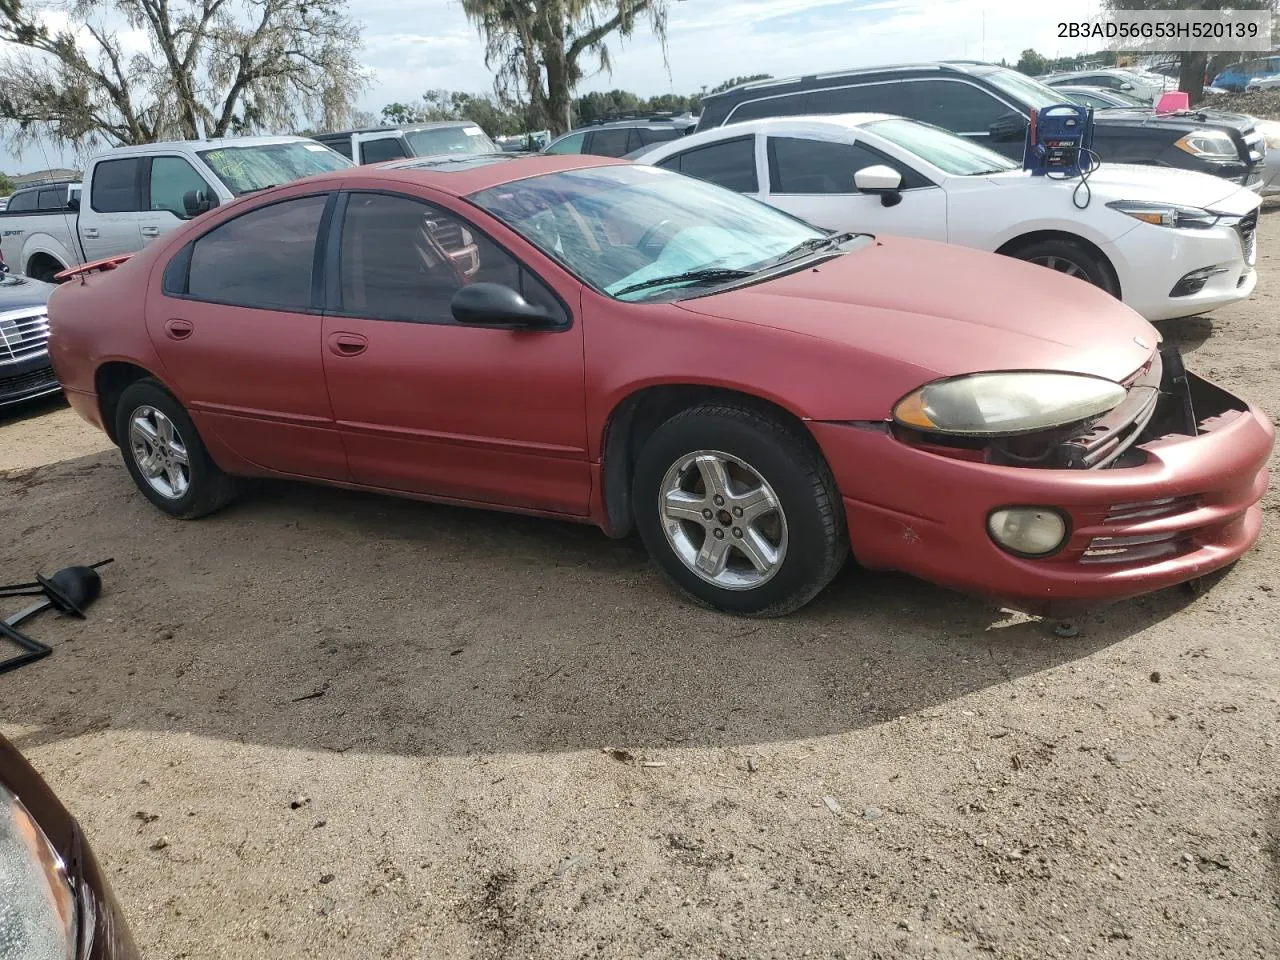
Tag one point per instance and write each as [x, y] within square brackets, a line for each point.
[1194, 281]
[1029, 531]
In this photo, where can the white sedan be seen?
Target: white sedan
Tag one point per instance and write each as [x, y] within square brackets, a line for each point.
[1170, 243]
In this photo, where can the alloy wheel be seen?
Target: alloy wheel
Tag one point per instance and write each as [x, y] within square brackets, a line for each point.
[159, 452]
[723, 520]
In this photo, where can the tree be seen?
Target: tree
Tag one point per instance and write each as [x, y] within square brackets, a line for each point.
[6, 185]
[229, 66]
[1193, 64]
[537, 47]
[1032, 63]
[730, 84]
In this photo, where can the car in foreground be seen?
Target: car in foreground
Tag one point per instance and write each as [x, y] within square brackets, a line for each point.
[379, 144]
[1170, 243]
[25, 371]
[991, 105]
[55, 902]
[645, 351]
[132, 195]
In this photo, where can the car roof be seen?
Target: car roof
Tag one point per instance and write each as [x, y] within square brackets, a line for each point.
[975, 67]
[200, 145]
[457, 174]
[390, 128]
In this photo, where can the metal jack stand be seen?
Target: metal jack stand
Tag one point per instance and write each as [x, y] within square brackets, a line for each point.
[69, 590]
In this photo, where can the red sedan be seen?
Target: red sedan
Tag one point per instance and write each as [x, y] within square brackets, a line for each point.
[625, 346]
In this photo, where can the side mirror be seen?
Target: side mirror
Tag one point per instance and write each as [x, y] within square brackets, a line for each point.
[73, 203]
[492, 304]
[196, 202]
[882, 180]
[1008, 128]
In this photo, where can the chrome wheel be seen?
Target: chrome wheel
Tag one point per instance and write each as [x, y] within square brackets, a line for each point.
[1062, 265]
[723, 520]
[159, 452]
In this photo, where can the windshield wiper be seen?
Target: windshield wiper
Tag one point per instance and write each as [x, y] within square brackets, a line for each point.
[814, 244]
[706, 275]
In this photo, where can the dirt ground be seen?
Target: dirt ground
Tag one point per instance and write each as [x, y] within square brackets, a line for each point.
[322, 724]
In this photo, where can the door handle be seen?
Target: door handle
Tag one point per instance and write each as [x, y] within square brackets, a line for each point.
[151, 231]
[347, 344]
[178, 329]
[90, 233]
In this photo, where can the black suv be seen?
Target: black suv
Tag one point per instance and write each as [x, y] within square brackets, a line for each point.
[617, 138]
[992, 104]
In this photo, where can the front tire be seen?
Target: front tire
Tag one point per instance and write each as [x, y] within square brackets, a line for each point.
[165, 456]
[739, 510]
[1070, 258]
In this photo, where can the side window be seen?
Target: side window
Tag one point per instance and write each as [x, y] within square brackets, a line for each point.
[868, 98]
[671, 163]
[790, 105]
[657, 135]
[402, 259]
[261, 259]
[610, 142]
[570, 144]
[52, 198]
[22, 201]
[115, 186]
[387, 148]
[956, 106]
[171, 178]
[823, 166]
[729, 163]
[341, 144]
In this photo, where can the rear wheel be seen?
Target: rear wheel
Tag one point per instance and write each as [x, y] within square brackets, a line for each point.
[1070, 258]
[739, 511]
[165, 455]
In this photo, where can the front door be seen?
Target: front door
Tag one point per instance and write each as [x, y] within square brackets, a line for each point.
[428, 405]
[166, 182]
[813, 180]
[239, 338]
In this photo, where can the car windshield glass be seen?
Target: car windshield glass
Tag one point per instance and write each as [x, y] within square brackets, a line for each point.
[427, 143]
[618, 227]
[1031, 93]
[943, 149]
[250, 168]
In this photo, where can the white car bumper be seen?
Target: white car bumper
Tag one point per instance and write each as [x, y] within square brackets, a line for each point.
[1157, 267]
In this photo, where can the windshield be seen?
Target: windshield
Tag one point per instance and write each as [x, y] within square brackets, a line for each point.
[946, 151]
[256, 167]
[618, 226]
[1031, 93]
[427, 143]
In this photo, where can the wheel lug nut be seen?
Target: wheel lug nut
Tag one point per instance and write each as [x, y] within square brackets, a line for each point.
[737, 511]
[719, 500]
[737, 532]
[719, 534]
[707, 514]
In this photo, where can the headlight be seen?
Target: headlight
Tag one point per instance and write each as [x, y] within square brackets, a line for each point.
[1210, 144]
[37, 906]
[1166, 214]
[1006, 404]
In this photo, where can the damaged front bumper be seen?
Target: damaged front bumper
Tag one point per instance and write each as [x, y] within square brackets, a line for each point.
[1163, 490]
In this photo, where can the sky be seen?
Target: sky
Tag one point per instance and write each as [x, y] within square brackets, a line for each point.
[411, 48]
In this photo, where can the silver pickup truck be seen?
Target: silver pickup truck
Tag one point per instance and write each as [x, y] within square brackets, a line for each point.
[131, 195]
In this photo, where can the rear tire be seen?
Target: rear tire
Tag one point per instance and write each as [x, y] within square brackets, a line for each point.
[739, 510]
[1070, 258]
[165, 456]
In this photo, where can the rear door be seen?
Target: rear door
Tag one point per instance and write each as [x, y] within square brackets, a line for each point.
[110, 223]
[237, 326]
[813, 180]
[167, 178]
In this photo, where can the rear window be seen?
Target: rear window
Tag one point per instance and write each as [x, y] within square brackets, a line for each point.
[22, 201]
[115, 186]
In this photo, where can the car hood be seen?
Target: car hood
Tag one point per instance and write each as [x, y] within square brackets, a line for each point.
[938, 310]
[1183, 120]
[1131, 181]
[18, 292]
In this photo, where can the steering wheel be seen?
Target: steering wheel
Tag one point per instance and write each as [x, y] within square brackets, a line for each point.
[649, 234]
